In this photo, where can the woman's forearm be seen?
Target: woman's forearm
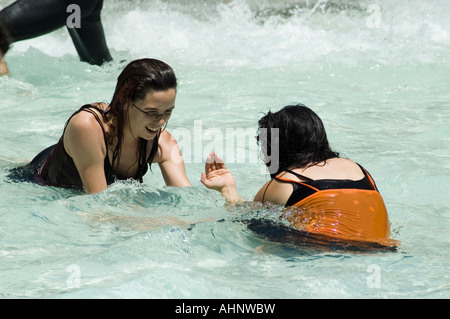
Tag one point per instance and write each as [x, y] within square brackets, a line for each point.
[230, 193]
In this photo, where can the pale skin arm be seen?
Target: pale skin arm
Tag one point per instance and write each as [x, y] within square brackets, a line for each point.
[274, 192]
[84, 142]
[171, 161]
[219, 178]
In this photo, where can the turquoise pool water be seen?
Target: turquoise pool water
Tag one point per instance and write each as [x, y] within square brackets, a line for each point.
[376, 72]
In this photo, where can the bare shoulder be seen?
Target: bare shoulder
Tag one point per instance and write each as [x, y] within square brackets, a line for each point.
[83, 130]
[335, 168]
[168, 149]
[345, 165]
[84, 120]
[166, 139]
[274, 192]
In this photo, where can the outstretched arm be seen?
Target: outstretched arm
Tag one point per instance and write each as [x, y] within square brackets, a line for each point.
[219, 178]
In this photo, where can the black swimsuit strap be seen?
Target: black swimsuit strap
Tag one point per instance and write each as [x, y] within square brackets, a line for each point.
[303, 177]
[300, 176]
[110, 174]
[87, 108]
[309, 186]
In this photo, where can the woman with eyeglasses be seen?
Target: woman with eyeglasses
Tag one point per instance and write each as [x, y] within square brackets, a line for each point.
[103, 143]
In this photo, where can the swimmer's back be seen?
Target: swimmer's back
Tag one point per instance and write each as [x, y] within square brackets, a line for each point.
[279, 192]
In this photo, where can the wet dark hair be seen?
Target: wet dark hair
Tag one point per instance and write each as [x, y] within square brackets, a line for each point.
[137, 79]
[302, 139]
[5, 39]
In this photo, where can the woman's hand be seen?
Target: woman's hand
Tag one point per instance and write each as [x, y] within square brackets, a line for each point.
[219, 178]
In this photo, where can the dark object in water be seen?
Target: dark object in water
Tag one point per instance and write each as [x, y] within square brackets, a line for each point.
[289, 235]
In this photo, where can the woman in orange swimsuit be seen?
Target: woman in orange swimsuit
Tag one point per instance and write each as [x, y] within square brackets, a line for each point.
[324, 194]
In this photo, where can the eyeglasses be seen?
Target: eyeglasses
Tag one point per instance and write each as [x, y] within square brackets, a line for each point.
[154, 115]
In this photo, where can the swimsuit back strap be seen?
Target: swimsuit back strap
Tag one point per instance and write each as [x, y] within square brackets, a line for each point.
[366, 173]
[287, 180]
[300, 176]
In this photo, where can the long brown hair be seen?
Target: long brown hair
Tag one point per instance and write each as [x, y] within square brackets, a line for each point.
[137, 79]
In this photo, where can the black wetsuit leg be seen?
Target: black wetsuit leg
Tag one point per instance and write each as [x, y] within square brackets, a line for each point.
[89, 39]
[28, 19]
[31, 18]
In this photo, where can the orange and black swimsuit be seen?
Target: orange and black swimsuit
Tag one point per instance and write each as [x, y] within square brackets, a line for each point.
[343, 210]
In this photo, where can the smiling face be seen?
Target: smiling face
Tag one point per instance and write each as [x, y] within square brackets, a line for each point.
[150, 114]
